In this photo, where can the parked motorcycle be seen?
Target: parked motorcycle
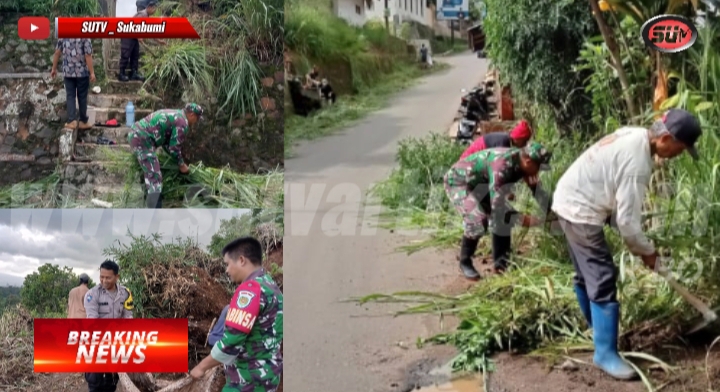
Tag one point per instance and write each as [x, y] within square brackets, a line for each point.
[475, 107]
[466, 131]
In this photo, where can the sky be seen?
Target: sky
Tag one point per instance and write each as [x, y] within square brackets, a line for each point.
[76, 238]
[125, 8]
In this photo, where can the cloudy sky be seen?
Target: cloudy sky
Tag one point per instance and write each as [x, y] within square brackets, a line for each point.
[76, 238]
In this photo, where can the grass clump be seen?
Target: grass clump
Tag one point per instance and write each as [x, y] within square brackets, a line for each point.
[203, 187]
[223, 70]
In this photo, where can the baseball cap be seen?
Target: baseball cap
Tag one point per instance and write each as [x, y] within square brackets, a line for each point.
[538, 153]
[684, 127]
[194, 108]
[84, 276]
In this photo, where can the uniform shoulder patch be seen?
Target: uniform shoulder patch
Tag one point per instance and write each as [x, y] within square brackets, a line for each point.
[244, 298]
[128, 304]
[89, 298]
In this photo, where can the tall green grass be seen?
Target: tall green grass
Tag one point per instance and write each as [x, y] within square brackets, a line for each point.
[320, 37]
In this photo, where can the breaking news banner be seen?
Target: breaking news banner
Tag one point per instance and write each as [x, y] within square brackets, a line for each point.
[115, 28]
[110, 345]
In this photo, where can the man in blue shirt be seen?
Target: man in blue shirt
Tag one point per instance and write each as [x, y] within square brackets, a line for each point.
[219, 328]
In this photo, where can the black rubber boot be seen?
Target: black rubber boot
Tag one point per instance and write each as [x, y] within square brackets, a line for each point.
[154, 200]
[467, 250]
[122, 76]
[136, 76]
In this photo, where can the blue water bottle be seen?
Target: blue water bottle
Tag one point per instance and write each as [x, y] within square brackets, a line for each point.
[129, 114]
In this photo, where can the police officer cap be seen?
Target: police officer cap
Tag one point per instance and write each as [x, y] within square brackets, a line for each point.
[84, 276]
[151, 3]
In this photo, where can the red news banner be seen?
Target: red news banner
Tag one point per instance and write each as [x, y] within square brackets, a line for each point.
[111, 345]
[115, 28]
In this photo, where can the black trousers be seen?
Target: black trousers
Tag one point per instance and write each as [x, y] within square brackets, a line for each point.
[102, 382]
[77, 88]
[129, 54]
[593, 261]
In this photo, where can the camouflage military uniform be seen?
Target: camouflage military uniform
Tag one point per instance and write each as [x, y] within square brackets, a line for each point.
[163, 128]
[250, 346]
[495, 171]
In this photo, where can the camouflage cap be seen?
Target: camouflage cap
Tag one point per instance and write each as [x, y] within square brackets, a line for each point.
[538, 153]
[194, 108]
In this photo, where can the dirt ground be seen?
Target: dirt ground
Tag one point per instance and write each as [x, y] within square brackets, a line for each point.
[523, 373]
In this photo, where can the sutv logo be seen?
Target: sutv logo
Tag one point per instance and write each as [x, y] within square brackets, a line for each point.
[669, 33]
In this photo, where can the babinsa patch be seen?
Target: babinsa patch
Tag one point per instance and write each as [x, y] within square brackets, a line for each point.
[244, 298]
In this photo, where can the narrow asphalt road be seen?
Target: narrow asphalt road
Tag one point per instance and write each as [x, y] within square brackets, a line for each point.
[336, 253]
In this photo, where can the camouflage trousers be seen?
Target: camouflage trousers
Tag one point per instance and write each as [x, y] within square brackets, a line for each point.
[144, 151]
[262, 376]
[475, 220]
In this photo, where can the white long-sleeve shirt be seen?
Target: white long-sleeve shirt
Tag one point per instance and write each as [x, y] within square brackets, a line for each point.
[612, 175]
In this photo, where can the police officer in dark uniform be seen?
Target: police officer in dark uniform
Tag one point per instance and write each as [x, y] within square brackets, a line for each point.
[130, 48]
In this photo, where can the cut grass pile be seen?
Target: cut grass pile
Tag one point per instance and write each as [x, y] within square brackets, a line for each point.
[203, 187]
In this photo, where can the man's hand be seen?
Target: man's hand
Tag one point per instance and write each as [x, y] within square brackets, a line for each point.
[532, 180]
[197, 373]
[53, 73]
[650, 261]
[530, 221]
[184, 169]
[92, 77]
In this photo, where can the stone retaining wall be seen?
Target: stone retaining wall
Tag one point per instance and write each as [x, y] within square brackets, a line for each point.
[32, 106]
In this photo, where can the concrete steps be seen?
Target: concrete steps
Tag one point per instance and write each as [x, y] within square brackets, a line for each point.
[118, 135]
[120, 100]
[95, 151]
[98, 180]
[115, 86]
[104, 114]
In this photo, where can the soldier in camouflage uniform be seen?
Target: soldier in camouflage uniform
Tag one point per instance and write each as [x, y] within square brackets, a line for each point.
[164, 128]
[478, 187]
[250, 346]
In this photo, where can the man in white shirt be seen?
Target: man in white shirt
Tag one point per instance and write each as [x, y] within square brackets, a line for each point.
[611, 178]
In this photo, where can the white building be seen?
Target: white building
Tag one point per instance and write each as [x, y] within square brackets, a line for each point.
[353, 11]
[358, 12]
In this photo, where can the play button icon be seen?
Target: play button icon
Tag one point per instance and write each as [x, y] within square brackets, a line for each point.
[33, 28]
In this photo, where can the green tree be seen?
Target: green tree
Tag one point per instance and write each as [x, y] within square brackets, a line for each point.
[47, 289]
[231, 229]
[9, 297]
[534, 45]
